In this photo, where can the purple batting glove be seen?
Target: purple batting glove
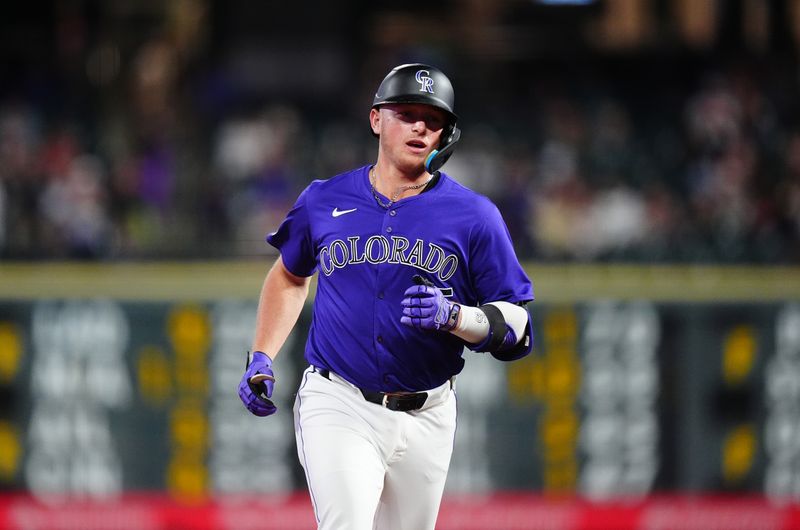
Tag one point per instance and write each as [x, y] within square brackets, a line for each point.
[257, 383]
[425, 307]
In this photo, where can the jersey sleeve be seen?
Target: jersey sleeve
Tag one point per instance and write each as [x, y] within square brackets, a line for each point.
[496, 271]
[294, 240]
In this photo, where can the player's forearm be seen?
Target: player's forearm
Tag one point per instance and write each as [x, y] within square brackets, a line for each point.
[282, 298]
[473, 326]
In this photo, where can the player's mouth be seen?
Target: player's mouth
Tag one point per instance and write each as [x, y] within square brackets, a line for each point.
[417, 145]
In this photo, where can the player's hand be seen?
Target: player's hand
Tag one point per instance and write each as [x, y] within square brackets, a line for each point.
[425, 307]
[255, 389]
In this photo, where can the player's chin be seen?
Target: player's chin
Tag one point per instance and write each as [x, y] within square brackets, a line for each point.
[414, 162]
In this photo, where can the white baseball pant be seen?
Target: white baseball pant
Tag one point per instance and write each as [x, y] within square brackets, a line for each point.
[368, 467]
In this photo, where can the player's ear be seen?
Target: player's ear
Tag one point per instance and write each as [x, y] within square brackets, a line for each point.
[375, 121]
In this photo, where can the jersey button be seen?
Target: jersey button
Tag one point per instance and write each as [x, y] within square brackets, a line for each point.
[387, 379]
[389, 229]
[380, 296]
[393, 213]
[380, 339]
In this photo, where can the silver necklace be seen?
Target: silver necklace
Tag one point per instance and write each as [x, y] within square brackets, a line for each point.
[397, 194]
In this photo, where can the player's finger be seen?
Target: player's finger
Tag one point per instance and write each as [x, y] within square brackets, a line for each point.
[413, 322]
[415, 302]
[417, 312]
[256, 402]
[262, 407]
[419, 300]
[422, 291]
[262, 384]
[260, 393]
[260, 378]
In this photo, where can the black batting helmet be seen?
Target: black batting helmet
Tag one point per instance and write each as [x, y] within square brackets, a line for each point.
[417, 83]
[422, 83]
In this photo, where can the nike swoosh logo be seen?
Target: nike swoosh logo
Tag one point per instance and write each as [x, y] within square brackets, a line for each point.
[337, 212]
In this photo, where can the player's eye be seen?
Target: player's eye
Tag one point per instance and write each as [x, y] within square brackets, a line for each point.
[434, 123]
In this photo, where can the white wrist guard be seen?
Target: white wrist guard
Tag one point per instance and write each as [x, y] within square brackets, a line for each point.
[473, 326]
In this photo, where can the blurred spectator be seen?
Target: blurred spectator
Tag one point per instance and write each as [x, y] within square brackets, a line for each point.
[253, 156]
[615, 222]
[709, 172]
[20, 179]
[783, 222]
[74, 205]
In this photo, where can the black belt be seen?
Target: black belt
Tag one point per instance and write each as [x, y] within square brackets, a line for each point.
[402, 402]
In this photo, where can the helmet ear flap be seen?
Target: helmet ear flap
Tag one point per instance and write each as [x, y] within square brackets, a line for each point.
[436, 159]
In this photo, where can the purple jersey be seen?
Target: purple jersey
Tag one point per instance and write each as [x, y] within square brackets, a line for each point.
[366, 256]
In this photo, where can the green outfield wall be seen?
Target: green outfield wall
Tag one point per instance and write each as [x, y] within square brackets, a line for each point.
[242, 279]
[119, 378]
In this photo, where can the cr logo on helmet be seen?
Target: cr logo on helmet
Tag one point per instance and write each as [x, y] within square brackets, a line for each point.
[425, 81]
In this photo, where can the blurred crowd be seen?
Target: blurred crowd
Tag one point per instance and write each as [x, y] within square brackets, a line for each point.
[710, 173]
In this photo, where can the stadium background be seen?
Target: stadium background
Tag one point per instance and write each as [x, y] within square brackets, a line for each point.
[645, 154]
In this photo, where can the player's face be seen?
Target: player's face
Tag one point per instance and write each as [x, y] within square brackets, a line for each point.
[408, 132]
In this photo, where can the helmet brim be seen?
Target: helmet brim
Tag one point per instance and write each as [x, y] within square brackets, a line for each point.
[422, 100]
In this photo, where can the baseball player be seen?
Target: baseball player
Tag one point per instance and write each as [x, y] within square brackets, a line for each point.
[412, 267]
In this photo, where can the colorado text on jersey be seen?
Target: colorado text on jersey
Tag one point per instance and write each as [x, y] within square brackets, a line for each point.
[378, 249]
